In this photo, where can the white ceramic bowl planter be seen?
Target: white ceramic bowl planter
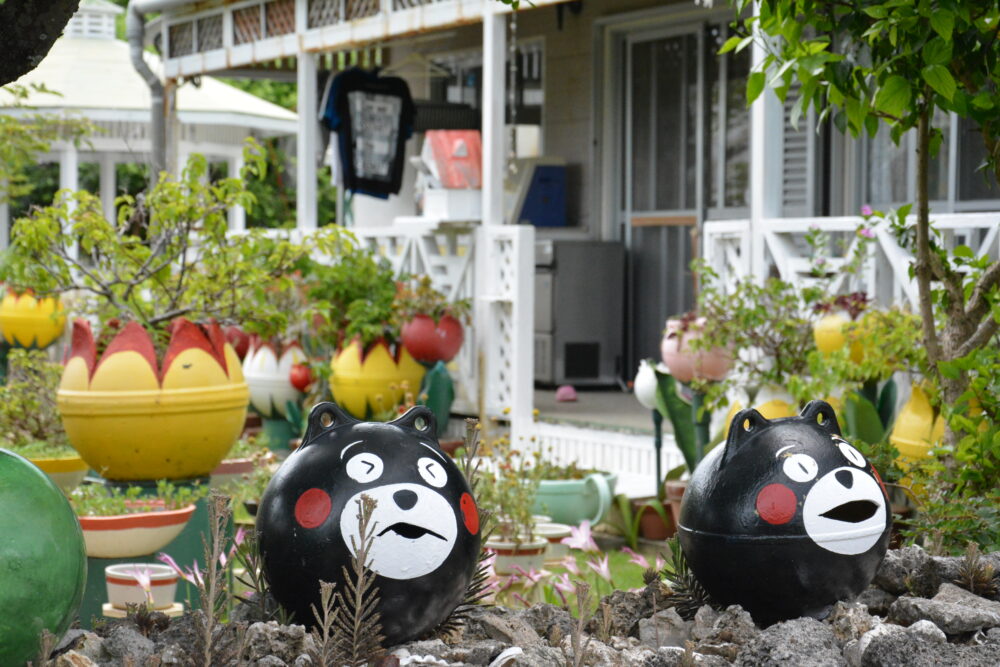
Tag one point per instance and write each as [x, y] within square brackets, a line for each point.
[553, 533]
[131, 535]
[124, 587]
[527, 554]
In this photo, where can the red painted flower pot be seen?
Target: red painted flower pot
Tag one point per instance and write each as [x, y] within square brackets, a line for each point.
[430, 342]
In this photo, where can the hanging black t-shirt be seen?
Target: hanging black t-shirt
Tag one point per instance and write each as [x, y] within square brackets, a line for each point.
[373, 118]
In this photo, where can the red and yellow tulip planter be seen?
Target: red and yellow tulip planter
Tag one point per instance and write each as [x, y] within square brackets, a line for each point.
[28, 322]
[132, 418]
[373, 380]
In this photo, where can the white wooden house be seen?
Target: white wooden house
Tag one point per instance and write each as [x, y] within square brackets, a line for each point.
[662, 156]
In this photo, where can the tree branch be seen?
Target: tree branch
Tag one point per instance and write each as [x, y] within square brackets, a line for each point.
[922, 266]
[979, 303]
[984, 332]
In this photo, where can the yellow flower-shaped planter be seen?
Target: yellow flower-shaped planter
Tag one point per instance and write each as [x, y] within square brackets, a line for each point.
[29, 322]
[132, 419]
[375, 380]
[66, 471]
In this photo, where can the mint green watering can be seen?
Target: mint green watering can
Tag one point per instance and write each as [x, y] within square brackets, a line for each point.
[572, 501]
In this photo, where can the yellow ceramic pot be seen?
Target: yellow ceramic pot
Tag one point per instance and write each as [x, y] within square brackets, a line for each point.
[828, 333]
[132, 419]
[66, 471]
[29, 322]
[916, 431]
[373, 381]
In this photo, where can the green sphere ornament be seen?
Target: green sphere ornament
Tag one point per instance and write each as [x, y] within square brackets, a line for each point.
[43, 560]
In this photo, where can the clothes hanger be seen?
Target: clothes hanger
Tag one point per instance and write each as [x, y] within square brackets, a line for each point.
[417, 64]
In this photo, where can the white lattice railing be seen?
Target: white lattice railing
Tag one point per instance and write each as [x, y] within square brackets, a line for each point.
[199, 40]
[885, 272]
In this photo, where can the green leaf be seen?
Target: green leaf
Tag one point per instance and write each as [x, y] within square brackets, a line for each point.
[893, 97]
[937, 52]
[940, 79]
[963, 251]
[755, 86]
[876, 12]
[887, 403]
[678, 411]
[862, 419]
[949, 370]
[943, 23]
[730, 44]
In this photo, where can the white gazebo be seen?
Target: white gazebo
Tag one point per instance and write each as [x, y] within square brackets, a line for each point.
[91, 71]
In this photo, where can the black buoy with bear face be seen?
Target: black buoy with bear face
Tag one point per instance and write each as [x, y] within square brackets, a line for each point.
[426, 523]
[786, 518]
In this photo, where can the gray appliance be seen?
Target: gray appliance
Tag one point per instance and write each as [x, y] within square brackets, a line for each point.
[579, 310]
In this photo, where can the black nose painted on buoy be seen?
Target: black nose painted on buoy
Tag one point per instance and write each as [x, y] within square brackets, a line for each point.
[406, 498]
[845, 477]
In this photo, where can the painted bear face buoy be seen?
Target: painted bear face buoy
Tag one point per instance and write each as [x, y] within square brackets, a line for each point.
[786, 518]
[425, 523]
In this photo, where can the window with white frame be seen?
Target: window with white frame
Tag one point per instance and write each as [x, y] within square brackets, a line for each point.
[956, 182]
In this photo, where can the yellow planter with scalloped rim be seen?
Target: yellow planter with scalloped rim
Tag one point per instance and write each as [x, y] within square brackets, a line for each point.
[374, 381]
[133, 419]
[26, 321]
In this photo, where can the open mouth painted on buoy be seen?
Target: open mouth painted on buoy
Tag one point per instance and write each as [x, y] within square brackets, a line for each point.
[855, 511]
[845, 511]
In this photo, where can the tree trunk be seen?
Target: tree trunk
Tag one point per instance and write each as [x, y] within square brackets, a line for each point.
[28, 29]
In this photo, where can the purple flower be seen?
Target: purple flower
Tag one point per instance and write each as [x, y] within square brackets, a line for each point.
[144, 580]
[191, 575]
[867, 232]
[866, 210]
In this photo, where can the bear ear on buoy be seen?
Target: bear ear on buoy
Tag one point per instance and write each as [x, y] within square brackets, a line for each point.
[420, 418]
[323, 417]
[745, 424]
[823, 414]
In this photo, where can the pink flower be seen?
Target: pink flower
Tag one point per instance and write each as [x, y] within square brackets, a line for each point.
[563, 584]
[601, 567]
[638, 559]
[867, 232]
[192, 575]
[144, 580]
[580, 538]
[569, 562]
[520, 598]
[532, 575]
[866, 210]
[660, 564]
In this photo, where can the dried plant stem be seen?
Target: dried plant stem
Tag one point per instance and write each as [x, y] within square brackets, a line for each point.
[358, 628]
[211, 587]
[577, 642]
[324, 632]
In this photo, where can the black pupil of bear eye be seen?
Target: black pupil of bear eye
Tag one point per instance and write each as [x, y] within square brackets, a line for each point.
[804, 468]
[371, 466]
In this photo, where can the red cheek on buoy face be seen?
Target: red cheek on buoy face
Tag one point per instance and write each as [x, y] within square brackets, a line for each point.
[312, 508]
[470, 515]
[776, 504]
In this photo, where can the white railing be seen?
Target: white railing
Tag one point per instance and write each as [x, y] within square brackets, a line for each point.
[884, 274]
[196, 40]
[632, 457]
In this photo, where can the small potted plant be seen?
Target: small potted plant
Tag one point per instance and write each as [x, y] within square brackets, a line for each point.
[685, 362]
[29, 420]
[353, 308]
[246, 455]
[120, 523]
[139, 397]
[431, 325]
[147, 585]
[508, 488]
